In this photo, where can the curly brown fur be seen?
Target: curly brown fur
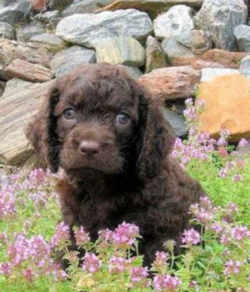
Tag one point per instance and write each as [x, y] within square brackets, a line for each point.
[104, 130]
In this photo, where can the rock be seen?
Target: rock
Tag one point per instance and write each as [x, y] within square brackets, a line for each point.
[16, 111]
[38, 5]
[120, 50]
[87, 6]
[155, 57]
[245, 66]
[13, 84]
[30, 52]
[133, 72]
[15, 13]
[220, 17]
[5, 3]
[176, 23]
[50, 40]
[242, 34]
[226, 58]
[7, 31]
[25, 32]
[49, 18]
[28, 71]
[58, 4]
[176, 121]
[2, 88]
[200, 64]
[227, 106]
[172, 82]
[88, 29]
[200, 41]
[67, 59]
[208, 74]
[152, 7]
[177, 54]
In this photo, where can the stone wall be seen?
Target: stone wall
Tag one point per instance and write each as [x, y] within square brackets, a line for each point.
[173, 47]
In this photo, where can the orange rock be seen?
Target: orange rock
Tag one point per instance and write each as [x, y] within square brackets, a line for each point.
[227, 106]
[38, 5]
[171, 82]
[223, 57]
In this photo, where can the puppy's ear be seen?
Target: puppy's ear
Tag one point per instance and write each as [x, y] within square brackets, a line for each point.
[41, 131]
[156, 138]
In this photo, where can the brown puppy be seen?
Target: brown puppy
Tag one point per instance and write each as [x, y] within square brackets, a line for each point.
[103, 129]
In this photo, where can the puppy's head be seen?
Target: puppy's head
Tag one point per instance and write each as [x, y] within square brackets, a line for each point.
[99, 118]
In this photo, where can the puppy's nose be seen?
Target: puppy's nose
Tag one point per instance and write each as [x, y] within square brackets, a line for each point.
[89, 147]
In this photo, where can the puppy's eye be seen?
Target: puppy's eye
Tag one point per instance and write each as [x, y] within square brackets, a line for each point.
[122, 119]
[69, 114]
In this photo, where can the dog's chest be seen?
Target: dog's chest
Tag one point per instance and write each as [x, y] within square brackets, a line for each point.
[103, 211]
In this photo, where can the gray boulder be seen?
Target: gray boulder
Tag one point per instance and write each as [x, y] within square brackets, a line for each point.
[49, 39]
[176, 23]
[176, 121]
[242, 34]
[175, 50]
[67, 59]
[155, 57]
[7, 31]
[88, 29]
[245, 66]
[133, 72]
[25, 32]
[58, 4]
[200, 41]
[208, 74]
[49, 18]
[220, 17]
[16, 12]
[87, 6]
[16, 111]
[120, 50]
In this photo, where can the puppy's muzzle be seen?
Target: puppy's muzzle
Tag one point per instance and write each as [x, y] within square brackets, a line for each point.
[89, 148]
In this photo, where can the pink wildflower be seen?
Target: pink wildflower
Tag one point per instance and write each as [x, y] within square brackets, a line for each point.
[222, 142]
[231, 209]
[204, 216]
[117, 264]
[125, 234]
[206, 203]
[91, 263]
[191, 237]
[237, 177]
[216, 228]
[20, 250]
[105, 235]
[37, 176]
[5, 269]
[232, 267]
[243, 143]
[7, 203]
[225, 239]
[61, 235]
[81, 236]
[166, 283]
[240, 232]
[28, 275]
[59, 274]
[222, 151]
[225, 133]
[223, 172]
[161, 258]
[139, 277]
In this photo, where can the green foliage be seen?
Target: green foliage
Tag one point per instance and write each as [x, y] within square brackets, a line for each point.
[205, 267]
